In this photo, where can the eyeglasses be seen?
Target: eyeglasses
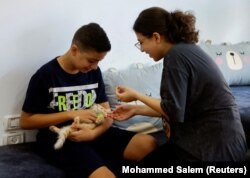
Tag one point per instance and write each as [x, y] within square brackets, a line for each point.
[138, 45]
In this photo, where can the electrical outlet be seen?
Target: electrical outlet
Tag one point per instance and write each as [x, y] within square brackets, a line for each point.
[13, 138]
[11, 122]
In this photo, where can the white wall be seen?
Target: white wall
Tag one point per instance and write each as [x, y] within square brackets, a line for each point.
[33, 32]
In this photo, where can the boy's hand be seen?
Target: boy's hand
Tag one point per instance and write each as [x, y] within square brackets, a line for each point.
[81, 133]
[86, 115]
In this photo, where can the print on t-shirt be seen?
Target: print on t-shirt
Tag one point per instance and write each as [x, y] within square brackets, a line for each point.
[73, 97]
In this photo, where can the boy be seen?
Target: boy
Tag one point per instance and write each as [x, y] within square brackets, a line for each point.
[66, 87]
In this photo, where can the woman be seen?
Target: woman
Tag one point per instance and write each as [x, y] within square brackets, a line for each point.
[196, 102]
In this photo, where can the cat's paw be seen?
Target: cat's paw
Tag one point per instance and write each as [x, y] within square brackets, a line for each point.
[54, 129]
[100, 118]
[77, 120]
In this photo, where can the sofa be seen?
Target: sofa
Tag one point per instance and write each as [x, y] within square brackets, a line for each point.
[22, 160]
[234, 62]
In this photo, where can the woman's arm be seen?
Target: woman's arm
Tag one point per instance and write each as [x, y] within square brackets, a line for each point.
[126, 111]
[128, 94]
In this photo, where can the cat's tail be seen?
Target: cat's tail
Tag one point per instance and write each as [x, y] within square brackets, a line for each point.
[61, 139]
[59, 143]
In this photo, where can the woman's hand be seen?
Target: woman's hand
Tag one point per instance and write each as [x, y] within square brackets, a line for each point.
[126, 94]
[123, 112]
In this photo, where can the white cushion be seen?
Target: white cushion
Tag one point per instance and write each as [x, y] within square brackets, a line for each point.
[143, 78]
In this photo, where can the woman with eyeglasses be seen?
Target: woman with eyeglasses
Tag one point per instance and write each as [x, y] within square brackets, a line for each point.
[195, 102]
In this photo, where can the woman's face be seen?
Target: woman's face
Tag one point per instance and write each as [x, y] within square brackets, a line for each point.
[154, 46]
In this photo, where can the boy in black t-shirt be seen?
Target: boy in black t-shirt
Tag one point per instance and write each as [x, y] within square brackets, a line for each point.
[66, 87]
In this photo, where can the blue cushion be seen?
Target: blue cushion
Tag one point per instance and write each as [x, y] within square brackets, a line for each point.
[232, 59]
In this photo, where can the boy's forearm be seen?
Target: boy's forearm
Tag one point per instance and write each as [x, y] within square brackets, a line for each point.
[99, 130]
[37, 121]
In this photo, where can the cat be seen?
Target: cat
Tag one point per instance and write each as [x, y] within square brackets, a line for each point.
[64, 132]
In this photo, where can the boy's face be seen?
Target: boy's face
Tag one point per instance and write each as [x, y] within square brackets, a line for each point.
[85, 61]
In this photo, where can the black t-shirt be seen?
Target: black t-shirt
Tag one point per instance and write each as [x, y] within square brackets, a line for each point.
[203, 115]
[53, 90]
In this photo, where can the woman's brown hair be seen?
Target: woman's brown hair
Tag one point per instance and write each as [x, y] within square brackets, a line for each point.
[176, 26]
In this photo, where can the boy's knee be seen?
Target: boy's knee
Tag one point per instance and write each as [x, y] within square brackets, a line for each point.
[139, 146]
[103, 172]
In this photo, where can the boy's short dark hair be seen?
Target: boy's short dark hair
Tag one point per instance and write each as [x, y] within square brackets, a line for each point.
[92, 37]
